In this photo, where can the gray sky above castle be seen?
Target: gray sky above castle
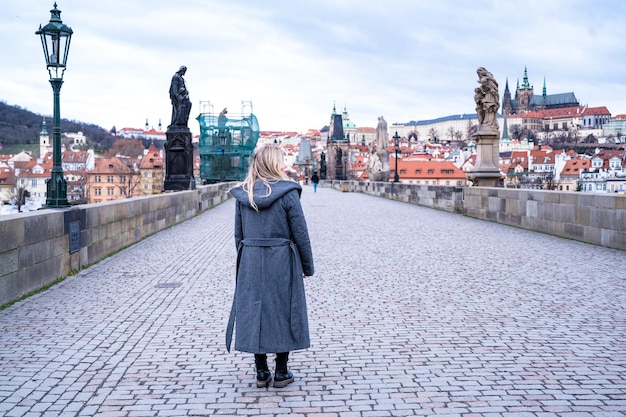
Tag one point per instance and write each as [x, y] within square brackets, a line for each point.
[403, 59]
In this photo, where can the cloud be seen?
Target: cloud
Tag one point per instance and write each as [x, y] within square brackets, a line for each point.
[403, 59]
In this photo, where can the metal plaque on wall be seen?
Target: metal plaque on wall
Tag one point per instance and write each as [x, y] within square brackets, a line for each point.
[74, 237]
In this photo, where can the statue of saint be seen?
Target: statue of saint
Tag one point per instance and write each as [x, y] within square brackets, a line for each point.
[373, 163]
[486, 97]
[181, 106]
[382, 136]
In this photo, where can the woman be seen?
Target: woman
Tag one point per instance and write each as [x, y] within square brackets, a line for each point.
[273, 256]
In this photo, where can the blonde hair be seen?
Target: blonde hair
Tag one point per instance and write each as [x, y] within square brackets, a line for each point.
[267, 164]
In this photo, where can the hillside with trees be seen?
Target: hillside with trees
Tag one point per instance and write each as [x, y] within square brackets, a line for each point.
[21, 126]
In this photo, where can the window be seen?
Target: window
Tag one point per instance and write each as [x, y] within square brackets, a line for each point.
[110, 191]
[123, 179]
[145, 186]
[447, 182]
[97, 191]
[403, 171]
[431, 171]
[418, 171]
[109, 178]
[33, 182]
[97, 178]
[123, 191]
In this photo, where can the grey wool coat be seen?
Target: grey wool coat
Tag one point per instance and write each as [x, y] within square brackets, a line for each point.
[273, 253]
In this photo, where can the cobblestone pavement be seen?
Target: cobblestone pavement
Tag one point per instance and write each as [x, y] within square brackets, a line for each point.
[413, 311]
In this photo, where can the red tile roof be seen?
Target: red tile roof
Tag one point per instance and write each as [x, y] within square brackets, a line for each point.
[110, 166]
[152, 159]
[573, 166]
[563, 113]
[426, 170]
[597, 111]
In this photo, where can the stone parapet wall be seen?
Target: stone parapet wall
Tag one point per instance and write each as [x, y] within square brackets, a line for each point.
[599, 219]
[35, 246]
[445, 198]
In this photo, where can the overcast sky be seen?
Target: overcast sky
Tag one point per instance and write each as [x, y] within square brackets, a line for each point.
[402, 59]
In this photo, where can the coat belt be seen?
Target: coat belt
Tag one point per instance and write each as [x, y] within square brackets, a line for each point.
[267, 241]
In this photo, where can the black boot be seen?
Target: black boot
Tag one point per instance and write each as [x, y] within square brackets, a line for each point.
[263, 374]
[283, 376]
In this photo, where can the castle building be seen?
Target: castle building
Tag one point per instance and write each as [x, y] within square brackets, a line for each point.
[526, 100]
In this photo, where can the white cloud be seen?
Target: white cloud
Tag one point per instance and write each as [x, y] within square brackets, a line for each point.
[402, 59]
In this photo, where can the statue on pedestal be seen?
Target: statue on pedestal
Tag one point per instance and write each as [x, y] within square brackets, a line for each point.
[178, 146]
[322, 166]
[486, 171]
[378, 162]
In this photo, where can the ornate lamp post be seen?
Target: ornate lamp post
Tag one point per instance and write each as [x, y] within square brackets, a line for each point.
[396, 142]
[55, 39]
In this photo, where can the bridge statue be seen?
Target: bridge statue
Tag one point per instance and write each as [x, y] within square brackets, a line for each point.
[486, 172]
[181, 106]
[178, 147]
[486, 97]
[378, 162]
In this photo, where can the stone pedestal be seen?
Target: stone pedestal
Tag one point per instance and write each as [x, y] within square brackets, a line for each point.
[178, 159]
[486, 172]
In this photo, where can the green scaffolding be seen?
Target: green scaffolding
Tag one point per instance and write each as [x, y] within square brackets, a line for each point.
[226, 146]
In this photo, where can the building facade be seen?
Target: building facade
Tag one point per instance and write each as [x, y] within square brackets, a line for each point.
[152, 172]
[111, 179]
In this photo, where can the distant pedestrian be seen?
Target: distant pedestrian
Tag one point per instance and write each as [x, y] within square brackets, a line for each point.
[315, 180]
[273, 256]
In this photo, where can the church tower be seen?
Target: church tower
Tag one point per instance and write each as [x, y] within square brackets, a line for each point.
[44, 141]
[507, 107]
[523, 95]
[337, 148]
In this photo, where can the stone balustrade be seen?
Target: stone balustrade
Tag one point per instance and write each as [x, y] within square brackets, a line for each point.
[599, 219]
[36, 248]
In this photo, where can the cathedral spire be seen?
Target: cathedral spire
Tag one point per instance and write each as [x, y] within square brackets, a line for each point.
[544, 87]
[525, 83]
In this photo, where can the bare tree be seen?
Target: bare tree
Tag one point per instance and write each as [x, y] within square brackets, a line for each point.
[18, 196]
[450, 133]
[432, 134]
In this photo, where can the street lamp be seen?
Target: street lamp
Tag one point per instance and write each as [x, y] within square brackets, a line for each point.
[396, 142]
[55, 39]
